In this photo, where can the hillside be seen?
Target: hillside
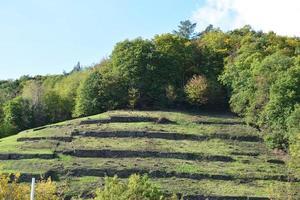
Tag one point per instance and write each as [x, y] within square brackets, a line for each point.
[212, 155]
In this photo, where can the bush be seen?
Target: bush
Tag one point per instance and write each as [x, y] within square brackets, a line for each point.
[197, 90]
[12, 190]
[137, 188]
[277, 140]
[294, 129]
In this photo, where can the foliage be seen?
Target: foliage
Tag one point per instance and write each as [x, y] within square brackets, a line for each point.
[136, 62]
[12, 190]
[89, 100]
[201, 91]
[186, 29]
[137, 187]
[277, 140]
[260, 73]
[100, 92]
[294, 131]
[9, 90]
[197, 90]
[177, 60]
[33, 92]
[17, 114]
[56, 107]
[213, 47]
[46, 190]
[264, 78]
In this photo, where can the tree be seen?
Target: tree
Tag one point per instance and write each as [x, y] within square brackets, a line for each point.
[213, 47]
[263, 76]
[202, 91]
[9, 90]
[137, 63]
[76, 68]
[186, 29]
[33, 91]
[88, 100]
[17, 114]
[56, 107]
[176, 62]
[2, 126]
[67, 86]
[197, 90]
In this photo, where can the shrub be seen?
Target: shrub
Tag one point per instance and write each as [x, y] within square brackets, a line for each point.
[133, 97]
[294, 131]
[46, 190]
[277, 140]
[136, 188]
[12, 190]
[197, 90]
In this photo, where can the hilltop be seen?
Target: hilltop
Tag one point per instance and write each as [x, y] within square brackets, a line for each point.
[195, 154]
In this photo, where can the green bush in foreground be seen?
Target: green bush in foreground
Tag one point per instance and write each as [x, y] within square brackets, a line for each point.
[136, 188]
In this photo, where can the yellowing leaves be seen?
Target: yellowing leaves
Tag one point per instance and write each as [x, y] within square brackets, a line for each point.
[12, 190]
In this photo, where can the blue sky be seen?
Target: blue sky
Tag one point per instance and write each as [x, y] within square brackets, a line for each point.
[49, 36]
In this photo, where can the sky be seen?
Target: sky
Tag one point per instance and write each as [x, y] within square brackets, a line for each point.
[50, 36]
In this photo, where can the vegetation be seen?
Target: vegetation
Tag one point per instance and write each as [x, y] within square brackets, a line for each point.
[199, 154]
[261, 72]
[12, 190]
[255, 74]
[137, 187]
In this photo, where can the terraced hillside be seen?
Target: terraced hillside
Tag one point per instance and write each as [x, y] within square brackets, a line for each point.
[197, 155]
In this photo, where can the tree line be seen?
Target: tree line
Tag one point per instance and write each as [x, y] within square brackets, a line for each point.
[256, 74]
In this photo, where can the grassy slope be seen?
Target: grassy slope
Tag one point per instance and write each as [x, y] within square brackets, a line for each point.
[241, 169]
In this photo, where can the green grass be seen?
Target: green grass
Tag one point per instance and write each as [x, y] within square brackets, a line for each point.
[185, 123]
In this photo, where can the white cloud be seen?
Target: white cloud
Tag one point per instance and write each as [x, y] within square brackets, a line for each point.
[281, 16]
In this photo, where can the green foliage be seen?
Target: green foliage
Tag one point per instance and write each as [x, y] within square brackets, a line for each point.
[277, 140]
[17, 115]
[33, 92]
[8, 90]
[213, 47]
[261, 73]
[89, 100]
[186, 29]
[136, 62]
[177, 65]
[294, 131]
[137, 187]
[98, 93]
[264, 78]
[133, 97]
[56, 107]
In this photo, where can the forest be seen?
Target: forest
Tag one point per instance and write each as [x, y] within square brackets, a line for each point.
[254, 74]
